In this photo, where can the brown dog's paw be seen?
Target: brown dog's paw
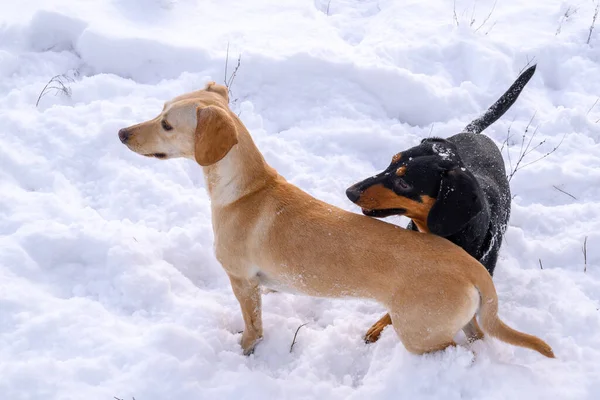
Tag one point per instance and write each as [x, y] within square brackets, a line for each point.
[250, 351]
[249, 344]
[472, 331]
[374, 332]
[473, 339]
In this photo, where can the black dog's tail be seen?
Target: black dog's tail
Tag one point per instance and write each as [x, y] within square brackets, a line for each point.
[502, 104]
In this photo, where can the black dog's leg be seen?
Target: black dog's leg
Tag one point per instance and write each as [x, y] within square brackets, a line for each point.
[490, 259]
[411, 226]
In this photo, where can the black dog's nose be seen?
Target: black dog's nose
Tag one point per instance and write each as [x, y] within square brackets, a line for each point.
[124, 135]
[353, 194]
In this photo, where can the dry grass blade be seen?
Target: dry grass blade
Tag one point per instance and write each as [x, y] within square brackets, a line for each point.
[58, 84]
[562, 191]
[430, 130]
[568, 13]
[296, 334]
[585, 254]
[473, 14]
[228, 79]
[487, 18]
[593, 105]
[527, 65]
[455, 16]
[593, 21]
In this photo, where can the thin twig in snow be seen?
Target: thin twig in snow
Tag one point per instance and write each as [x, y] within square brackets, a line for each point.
[525, 149]
[491, 26]
[545, 155]
[521, 152]
[229, 80]
[541, 266]
[296, 334]
[226, 63]
[568, 13]
[562, 191]
[455, 16]
[487, 18]
[593, 21]
[430, 131]
[593, 105]
[585, 254]
[508, 135]
[473, 14]
[527, 65]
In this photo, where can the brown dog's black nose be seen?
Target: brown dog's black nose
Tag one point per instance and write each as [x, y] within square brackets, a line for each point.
[124, 135]
[353, 194]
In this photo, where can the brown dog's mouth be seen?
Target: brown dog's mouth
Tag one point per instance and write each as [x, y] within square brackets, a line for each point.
[383, 212]
[160, 156]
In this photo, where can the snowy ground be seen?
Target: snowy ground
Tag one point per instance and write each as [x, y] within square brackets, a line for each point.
[108, 284]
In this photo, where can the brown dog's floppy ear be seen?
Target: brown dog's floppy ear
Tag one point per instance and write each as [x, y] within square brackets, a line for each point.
[215, 135]
[458, 201]
[219, 89]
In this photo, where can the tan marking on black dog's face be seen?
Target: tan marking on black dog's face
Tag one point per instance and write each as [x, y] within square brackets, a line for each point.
[396, 158]
[378, 197]
[421, 225]
[401, 171]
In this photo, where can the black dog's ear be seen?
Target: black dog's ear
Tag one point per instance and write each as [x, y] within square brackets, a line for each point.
[458, 201]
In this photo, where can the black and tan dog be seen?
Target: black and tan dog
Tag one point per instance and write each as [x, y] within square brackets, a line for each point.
[455, 188]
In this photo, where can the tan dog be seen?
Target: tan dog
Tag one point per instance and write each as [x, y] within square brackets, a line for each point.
[269, 232]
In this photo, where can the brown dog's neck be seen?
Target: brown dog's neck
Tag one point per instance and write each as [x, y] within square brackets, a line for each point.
[241, 172]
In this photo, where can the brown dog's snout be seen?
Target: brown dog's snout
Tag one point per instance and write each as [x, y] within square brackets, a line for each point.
[124, 135]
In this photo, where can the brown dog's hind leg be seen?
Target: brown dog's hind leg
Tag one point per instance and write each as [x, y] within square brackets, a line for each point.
[417, 344]
[473, 331]
[428, 322]
[247, 291]
[441, 346]
[374, 332]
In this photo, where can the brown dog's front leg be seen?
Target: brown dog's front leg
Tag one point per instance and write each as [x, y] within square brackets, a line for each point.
[373, 334]
[247, 292]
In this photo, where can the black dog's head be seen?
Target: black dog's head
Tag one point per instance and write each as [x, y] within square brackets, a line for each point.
[427, 183]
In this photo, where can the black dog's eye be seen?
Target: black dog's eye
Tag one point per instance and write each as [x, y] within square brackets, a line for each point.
[400, 184]
[166, 126]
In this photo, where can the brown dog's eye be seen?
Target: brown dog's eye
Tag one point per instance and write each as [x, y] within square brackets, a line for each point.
[166, 126]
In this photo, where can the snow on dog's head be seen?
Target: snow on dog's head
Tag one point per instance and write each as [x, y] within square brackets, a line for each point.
[195, 125]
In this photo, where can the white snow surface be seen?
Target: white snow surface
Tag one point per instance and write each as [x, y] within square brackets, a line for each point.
[108, 282]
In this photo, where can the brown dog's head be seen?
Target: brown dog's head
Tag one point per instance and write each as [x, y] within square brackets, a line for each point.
[427, 183]
[196, 125]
